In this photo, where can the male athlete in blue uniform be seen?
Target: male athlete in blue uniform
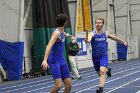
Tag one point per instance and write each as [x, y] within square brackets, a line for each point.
[54, 57]
[99, 51]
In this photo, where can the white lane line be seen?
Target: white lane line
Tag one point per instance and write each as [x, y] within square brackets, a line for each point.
[116, 65]
[108, 81]
[82, 82]
[138, 91]
[123, 85]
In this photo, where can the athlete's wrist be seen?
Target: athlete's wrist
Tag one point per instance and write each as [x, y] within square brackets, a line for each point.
[45, 61]
[123, 41]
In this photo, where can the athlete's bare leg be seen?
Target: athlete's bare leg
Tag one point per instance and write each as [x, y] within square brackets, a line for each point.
[103, 71]
[68, 85]
[58, 85]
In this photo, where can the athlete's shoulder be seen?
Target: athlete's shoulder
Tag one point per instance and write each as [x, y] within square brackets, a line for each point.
[57, 32]
[92, 32]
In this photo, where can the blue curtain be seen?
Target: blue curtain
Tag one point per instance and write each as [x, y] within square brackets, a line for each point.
[11, 57]
[121, 51]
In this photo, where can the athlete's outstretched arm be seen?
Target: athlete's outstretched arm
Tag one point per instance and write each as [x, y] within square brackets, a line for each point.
[116, 38]
[90, 36]
[54, 37]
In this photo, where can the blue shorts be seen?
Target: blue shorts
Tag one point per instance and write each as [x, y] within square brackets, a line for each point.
[101, 61]
[58, 67]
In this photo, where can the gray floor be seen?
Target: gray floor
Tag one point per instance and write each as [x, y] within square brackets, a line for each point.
[125, 79]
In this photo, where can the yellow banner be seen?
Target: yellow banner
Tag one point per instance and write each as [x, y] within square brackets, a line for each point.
[86, 15]
[79, 17]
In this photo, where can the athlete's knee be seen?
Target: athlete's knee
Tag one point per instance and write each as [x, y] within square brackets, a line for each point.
[58, 86]
[103, 70]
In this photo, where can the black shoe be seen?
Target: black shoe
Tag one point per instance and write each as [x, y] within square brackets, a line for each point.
[100, 90]
[109, 72]
[79, 78]
[6, 79]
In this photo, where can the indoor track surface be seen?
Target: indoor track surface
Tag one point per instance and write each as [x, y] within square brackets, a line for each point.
[125, 79]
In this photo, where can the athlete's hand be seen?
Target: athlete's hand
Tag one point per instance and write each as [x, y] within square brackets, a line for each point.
[44, 65]
[126, 44]
[86, 40]
[68, 35]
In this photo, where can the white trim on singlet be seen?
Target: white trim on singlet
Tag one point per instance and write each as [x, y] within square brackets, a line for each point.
[60, 35]
[94, 32]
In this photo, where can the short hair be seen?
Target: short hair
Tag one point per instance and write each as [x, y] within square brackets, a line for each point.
[61, 19]
[100, 19]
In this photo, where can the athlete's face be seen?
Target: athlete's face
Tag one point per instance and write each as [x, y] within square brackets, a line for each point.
[99, 24]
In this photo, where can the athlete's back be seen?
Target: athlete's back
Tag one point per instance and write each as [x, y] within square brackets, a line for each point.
[58, 47]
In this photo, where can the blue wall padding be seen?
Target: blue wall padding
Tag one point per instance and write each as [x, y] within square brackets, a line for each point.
[121, 51]
[11, 57]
